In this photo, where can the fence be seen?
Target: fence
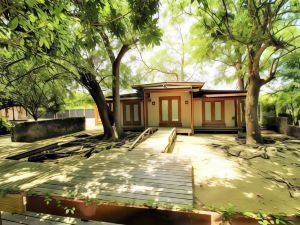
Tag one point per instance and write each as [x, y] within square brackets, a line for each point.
[282, 125]
[87, 113]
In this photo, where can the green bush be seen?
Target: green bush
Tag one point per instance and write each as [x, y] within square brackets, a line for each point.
[5, 126]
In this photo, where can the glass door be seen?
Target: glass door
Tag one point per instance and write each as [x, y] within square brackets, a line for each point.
[131, 113]
[170, 111]
[213, 113]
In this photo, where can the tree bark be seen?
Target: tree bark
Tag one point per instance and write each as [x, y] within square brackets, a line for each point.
[13, 110]
[35, 117]
[116, 62]
[116, 90]
[93, 87]
[253, 130]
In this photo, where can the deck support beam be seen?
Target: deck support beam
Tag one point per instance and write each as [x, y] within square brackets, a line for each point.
[12, 203]
[121, 214]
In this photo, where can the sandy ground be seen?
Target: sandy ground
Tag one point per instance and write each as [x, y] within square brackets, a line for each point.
[223, 178]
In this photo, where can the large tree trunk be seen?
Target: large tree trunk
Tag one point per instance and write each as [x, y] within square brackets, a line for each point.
[116, 90]
[116, 62]
[93, 87]
[252, 125]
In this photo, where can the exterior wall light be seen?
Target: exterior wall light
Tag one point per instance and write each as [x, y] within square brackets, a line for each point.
[153, 103]
[186, 102]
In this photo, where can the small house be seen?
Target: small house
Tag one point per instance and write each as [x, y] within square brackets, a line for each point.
[184, 105]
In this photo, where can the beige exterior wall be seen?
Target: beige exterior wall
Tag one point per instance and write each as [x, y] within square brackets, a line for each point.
[197, 113]
[229, 113]
[142, 115]
[19, 112]
[153, 110]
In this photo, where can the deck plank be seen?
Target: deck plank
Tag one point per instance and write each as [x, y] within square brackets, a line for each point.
[116, 175]
[157, 142]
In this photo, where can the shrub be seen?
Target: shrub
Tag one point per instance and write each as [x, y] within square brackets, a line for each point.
[5, 126]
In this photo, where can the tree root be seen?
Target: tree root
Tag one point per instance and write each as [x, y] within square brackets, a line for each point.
[291, 187]
[238, 154]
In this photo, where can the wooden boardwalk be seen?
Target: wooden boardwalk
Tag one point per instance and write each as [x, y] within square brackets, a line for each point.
[140, 177]
[159, 142]
[30, 218]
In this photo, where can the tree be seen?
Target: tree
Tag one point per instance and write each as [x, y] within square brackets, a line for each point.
[267, 29]
[49, 32]
[288, 101]
[38, 91]
[230, 57]
[287, 98]
[71, 36]
[5, 101]
[173, 60]
[138, 24]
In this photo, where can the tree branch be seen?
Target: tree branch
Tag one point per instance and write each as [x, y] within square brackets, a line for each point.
[154, 69]
[107, 46]
[25, 74]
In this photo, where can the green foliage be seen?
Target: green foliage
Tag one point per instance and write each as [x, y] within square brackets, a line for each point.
[289, 69]
[5, 126]
[35, 26]
[287, 98]
[173, 60]
[265, 219]
[228, 213]
[229, 31]
[37, 92]
[288, 101]
[267, 108]
[69, 210]
[79, 100]
[51, 39]
[48, 198]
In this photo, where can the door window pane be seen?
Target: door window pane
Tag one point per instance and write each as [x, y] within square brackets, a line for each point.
[218, 113]
[207, 111]
[175, 110]
[164, 110]
[135, 112]
[127, 112]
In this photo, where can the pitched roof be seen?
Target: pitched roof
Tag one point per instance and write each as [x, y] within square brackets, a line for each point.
[129, 96]
[219, 93]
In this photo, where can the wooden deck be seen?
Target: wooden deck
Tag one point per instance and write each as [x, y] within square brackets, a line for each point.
[134, 178]
[159, 142]
[217, 129]
[144, 176]
[183, 130]
[30, 218]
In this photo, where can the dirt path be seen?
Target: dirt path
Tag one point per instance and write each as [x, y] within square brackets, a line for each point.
[224, 176]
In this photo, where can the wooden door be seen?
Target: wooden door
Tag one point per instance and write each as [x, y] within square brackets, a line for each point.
[170, 111]
[213, 113]
[131, 113]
